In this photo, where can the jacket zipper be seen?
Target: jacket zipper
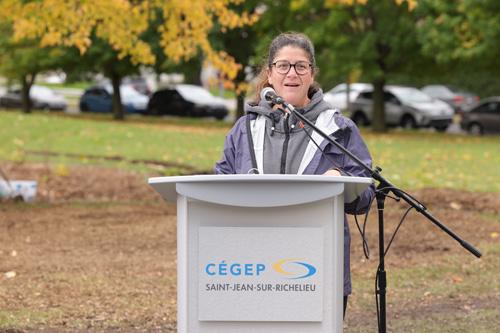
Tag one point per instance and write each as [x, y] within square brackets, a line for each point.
[285, 147]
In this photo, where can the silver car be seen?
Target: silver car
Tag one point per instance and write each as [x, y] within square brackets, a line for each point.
[338, 96]
[461, 100]
[404, 106]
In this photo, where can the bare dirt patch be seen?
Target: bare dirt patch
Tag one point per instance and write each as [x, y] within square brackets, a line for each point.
[97, 251]
[57, 184]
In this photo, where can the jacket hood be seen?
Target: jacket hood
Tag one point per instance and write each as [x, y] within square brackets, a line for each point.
[311, 110]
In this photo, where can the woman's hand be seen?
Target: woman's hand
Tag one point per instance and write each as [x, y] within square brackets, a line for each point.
[332, 172]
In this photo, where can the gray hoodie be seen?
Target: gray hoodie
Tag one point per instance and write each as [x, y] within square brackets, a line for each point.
[284, 141]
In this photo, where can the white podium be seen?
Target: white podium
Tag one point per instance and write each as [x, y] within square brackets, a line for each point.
[259, 253]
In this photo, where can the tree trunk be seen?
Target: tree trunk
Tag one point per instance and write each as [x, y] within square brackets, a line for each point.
[117, 106]
[240, 96]
[347, 96]
[26, 83]
[240, 105]
[378, 106]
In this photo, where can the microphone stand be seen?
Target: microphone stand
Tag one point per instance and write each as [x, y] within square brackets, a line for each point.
[383, 189]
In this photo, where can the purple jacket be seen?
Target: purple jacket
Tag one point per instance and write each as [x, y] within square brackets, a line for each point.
[237, 159]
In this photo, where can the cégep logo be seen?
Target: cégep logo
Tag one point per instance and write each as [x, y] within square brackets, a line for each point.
[283, 267]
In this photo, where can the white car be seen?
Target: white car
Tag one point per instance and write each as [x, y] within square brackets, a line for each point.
[41, 98]
[337, 96]
[130, 96]
[199, 95]
[48, 98]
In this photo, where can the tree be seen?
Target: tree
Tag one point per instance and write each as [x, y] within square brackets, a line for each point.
[120, 23]
[378, 38]
[101, 58]
[22, 61]
[461, 30]
[461, 39]
[372, 39]
[241, 44]
[463, 36]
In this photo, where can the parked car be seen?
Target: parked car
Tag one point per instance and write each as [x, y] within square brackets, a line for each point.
[404, 106]
[459, 99]
[99, 99]
[483, 118]
[337, 96]
[138, 83]
[187, 100]
[41, 98]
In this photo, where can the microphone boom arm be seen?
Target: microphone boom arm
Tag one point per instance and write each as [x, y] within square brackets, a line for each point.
[383, 189]
[384, 183]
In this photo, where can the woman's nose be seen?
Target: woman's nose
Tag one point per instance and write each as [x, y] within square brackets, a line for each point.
[292, 72]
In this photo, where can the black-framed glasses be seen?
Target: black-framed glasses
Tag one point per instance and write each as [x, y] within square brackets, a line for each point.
[283, 67]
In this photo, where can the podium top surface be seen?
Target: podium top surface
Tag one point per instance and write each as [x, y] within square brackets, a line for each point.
[259, 190]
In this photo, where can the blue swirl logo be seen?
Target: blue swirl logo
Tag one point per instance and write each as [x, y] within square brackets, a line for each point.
[282, 265]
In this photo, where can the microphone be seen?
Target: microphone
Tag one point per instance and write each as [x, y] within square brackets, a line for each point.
[268, 94]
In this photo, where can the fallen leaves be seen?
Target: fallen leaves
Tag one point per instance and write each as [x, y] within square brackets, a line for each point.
[10, 275]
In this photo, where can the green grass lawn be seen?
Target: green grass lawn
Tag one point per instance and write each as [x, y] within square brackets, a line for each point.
[78, 85]
[410, 159]
[417, 293]
[416, 159]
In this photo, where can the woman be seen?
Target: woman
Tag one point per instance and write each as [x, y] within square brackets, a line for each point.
[264, 141]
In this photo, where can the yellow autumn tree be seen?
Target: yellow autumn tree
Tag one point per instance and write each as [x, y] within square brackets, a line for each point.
[183, 29]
